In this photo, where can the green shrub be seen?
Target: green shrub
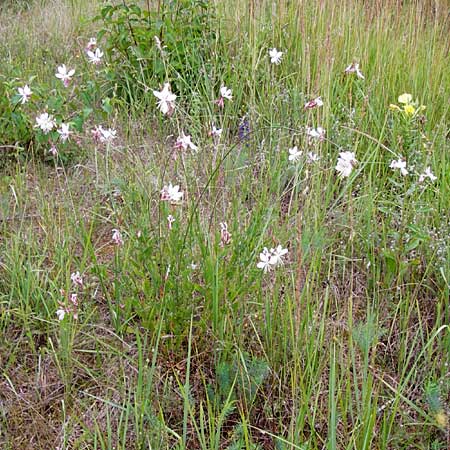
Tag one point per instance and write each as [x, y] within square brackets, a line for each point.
[147, 47]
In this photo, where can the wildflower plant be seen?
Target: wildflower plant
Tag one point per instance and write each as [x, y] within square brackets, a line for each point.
[50, 117]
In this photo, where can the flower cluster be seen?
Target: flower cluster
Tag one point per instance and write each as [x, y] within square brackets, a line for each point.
[408, 108]
[105, 136]
[70, 305]
[93, 53]
[271, 258]
[400, 164]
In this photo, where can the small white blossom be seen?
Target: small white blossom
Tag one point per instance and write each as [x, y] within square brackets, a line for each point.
[295, 154]
[399, 164]
[117, 237]
[185, 142]
[427, 174]
[313, 157]
[166, 100]
[271, 258]
[76, 279]
[354, 68]
[216, 132]
[345, 164]
[226, 93]
[95, 57]
[108, 135]
[316, 133]
[61, 313]
[264, 262]
[45, 122]
[314, 103]
[74, 299]
[159, 45]
[170, 221]
[225, 235]
[103, 135]
[91, 44]
[25, 93]
[64, 132]
[276, 255]
[171, 193]
[275, 56]
[64, 74]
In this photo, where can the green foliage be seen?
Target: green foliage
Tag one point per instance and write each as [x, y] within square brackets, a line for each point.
[240, 378]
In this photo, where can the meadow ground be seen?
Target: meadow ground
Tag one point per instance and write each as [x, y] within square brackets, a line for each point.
[231, 230]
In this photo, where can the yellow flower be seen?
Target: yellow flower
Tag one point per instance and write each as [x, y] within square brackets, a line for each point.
[441, 419]
[409, 110]
[405, 99]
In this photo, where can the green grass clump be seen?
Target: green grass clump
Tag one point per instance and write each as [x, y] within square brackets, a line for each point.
[170, 336]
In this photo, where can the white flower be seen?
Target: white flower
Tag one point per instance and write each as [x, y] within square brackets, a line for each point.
[314, 103]
[61, 313]
[171, 193]
[345, 163]
[216, 132]
[276, 255]
[275, 56]
[354, 68]
[45, 122]
[316, 133]
[405, 99]
[64, 132]
[427, 174]
[399, 164]
[271, 258]
[95, 57]
[185, 142]
[226, 93]
[91, 44]
[64, 74]
[117, 237]
[107, 135]
[74, 299]
[76, 279]
[159, 45]
[170, 221]
[313, 157]
[264, 262]
[225, 235]
[166, 100]
[25, 92]
[295, 154]
[101, 135]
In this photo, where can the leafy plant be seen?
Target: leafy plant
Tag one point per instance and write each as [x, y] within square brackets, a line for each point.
[147, 46]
